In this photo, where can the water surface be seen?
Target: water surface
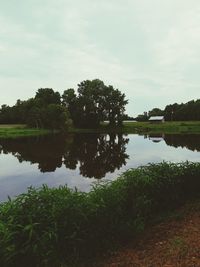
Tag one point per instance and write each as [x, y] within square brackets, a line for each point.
[80, 160]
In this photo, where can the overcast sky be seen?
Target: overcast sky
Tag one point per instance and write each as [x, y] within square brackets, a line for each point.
[149, 49]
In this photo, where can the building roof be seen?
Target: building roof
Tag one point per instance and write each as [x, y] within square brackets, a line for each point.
[156, 118]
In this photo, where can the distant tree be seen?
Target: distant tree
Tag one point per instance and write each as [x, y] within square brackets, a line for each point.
[156, 112]
[114, 105]
[70, 101]
[56, 117]
[94, 103]
[47, 96]
[42, 111]
[142, 117]
[68, 97]
[34, 114]
[177, 112]
[126, 117]
[5, 114]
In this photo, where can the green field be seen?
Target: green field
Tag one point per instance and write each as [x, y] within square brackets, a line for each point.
[146, 127]
[166, 127]
[186, 127]
[19, 130]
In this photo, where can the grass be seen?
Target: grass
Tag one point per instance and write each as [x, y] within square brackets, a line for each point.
[20, 130]
[146, 127]
[166, 127]
[187, 127]
[62, 227]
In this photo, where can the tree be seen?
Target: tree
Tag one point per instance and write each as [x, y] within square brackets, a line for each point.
[56, 117]
[70, 101]
[94, 103]
[142, 117]
[156, 112]
[114, 105]
[47, 96]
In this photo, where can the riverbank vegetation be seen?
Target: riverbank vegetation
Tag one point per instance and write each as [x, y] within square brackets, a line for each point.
[86, 111]
[16, 131]
[51, 227]
[166, 127]
[189, 111]
[184, 127]
[44, 111]
[176, 127]
[93, 103]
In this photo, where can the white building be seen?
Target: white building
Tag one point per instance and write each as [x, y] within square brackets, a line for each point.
[156, 119]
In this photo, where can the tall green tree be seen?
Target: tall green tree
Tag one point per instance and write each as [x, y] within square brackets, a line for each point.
[94, 103]
[47, 96]
[56, 117]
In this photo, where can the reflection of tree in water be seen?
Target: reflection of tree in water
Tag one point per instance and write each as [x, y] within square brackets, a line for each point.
[190, 141]
[46, 151]
[94, 154]
[97, 154]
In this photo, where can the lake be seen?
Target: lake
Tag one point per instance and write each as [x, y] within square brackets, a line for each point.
[81, 160]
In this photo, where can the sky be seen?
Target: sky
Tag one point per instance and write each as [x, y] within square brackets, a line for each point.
[149, 49]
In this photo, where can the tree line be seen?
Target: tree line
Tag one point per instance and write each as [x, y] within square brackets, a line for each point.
[94, 102]
[189, 111]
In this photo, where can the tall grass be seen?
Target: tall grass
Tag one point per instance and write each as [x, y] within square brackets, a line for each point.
[48, 227]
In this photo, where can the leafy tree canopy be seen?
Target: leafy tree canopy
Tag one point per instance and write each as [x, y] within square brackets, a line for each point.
[95, 102]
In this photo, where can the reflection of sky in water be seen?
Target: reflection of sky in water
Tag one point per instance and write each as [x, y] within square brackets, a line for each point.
[15, 177]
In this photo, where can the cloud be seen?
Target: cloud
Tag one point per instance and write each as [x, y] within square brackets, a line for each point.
[148, 49]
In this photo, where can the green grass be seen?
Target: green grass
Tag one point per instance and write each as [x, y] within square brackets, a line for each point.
[15, 131]
[192, 127]
[62, 227]
[187, 127]
[166, 127]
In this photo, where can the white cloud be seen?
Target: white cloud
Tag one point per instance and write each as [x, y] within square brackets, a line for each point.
[148, 49]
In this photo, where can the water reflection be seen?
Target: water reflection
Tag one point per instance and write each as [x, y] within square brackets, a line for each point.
[94, 154]
[76, 160]
[156, 138]
[190, 141]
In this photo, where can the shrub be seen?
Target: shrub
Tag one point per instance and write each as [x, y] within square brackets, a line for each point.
[45, 227]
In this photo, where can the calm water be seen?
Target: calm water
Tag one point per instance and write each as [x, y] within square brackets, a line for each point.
[81, 160]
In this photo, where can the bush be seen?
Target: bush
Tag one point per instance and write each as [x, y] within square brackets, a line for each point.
[45, 227]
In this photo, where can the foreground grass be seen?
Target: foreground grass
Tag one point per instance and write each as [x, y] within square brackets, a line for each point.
[62, 227]
[20, 130]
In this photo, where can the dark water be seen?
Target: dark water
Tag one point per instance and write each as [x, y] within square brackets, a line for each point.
[80, 160]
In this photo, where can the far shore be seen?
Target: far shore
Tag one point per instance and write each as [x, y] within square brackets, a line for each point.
[128, 127]
[20, 130]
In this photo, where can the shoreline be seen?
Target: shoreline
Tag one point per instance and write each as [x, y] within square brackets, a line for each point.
[184, 127]
[16, 131]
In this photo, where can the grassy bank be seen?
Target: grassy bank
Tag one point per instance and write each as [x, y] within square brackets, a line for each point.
[166, 127]
[20, 130]
[146, 127]
[51, 227]
[188, 127]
